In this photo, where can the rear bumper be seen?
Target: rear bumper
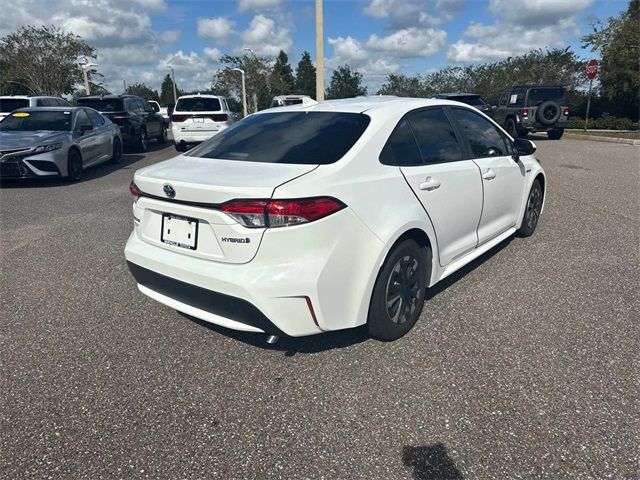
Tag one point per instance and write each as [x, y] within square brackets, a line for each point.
[191, 137]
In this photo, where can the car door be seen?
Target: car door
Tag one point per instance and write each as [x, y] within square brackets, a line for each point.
[103, 134]
[152, 119]
[500, 113]
[86, 138]
[502, 176]
[446, 183]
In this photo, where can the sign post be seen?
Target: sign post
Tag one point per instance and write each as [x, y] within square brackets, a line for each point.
[592, 71]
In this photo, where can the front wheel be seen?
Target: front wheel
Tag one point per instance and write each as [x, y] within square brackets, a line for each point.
[74, 165]
[399, 291]
[532, 211]
[555, 134]
[116, 156]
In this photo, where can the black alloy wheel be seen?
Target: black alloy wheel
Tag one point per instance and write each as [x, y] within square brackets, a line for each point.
[511, 128]
[142, 141]
[399, 292]
[116, 157]
[532, 211]
[74, 165]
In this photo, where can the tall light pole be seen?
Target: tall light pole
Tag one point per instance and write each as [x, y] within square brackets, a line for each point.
[319, 52]
[244, 90]
[124, 86]
[173, 80]
[254, 94]
[85, 70]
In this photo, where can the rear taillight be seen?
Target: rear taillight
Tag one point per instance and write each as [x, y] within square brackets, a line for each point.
[280, 213]
[133, 188]
[178, 118]
[525, 113]
[219, 117]
[566, 111]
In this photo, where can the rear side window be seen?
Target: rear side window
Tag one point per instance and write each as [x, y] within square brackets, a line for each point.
[95, 117]
[313, 138]
[82, 120]
[102, 104]
[11, 104]
[538, 95]
[484, 138]
[198, 104]
[401, 149]
[436, 137]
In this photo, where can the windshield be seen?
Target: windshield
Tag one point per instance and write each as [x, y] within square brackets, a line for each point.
[538, 95]
[37, 120]
[313, 138]
[11, 104]
[102, 104]
[198, 104]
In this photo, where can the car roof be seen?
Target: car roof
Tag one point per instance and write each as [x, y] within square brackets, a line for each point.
[108, 97]
[382, 103]
[26, 97]
[456, 94]
[201, 95]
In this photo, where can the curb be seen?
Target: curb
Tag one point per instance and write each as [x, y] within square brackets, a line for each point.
[595, 138]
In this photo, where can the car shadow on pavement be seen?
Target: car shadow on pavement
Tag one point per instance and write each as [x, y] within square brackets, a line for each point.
[431, 462]
[92, 173]
[292, 345]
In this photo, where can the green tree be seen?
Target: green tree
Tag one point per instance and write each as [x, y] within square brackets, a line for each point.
[345, 83]
[166, 90]
[306, 76]
[45, 60]
[257, 71]
[281, 79]
[618, 42]
[143, 91]
[403, 86]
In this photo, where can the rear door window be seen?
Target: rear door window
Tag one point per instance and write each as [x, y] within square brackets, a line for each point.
[95, 117]
[313, 138]
[436, 138]
[102, 104]
[485, 140]
[198, 104]
[401, 149]
[82, 119]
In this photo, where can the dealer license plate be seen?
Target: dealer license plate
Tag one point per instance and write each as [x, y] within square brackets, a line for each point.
[179, 231]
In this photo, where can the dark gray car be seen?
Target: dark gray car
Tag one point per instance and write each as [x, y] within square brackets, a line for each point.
[56, 141]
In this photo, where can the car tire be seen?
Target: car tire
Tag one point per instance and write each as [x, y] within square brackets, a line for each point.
[548, 113]
[162, 138]
[399, 292]
[532, 211]
[141, 141]
[116, 156]
[555, 134]
[511, 128]
[74, 165]
[181, 147]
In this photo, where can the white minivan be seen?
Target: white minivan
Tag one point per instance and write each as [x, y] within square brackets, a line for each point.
[197, 118]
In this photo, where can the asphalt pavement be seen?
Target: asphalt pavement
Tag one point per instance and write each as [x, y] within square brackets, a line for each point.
[523, 365]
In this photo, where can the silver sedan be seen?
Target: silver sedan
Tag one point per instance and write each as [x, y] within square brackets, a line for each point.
[56, 141]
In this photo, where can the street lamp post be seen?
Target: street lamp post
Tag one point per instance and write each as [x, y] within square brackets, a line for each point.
[244, 90]
[85, 70]
[173, 80]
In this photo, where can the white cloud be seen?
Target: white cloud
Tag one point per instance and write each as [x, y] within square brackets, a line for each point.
[219, 28]
[212, 54]
[171, 36]
[413, 13]
[244, 5]
[265, 38]
[349, 49]
[536, 12]
[410, 42]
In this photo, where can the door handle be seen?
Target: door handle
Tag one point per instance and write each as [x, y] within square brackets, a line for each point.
[429, 184]
[489, 175]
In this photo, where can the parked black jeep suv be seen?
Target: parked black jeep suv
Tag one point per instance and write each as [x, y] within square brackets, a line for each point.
[137, 121]
[533, 108]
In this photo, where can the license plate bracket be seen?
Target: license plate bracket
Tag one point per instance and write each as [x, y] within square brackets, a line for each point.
[179, 231]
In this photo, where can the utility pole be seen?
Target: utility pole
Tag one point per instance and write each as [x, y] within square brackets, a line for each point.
[319, 52]
[85, 71]
[244, 90]
[173, 80]
[124, 86]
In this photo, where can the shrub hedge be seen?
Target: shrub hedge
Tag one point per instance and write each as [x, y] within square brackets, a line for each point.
[605, 122]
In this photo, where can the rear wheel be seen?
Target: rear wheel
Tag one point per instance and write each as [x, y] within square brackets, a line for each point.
[181, 147]
[141, 141]
[74, 165]
[555, 134]
[116, 156]
[398, 294]
[162, 138]
[532, 211]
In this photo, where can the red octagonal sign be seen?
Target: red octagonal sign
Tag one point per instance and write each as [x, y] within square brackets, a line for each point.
[592, 69]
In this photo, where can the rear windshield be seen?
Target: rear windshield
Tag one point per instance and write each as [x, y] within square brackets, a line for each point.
[313, 138]
[102, 104]
[539, 95]
[37, 120]
[198, 104]
[473, 100]
[11, 104]
[285, 102]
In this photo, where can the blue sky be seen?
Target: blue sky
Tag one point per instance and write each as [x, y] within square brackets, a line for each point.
[136, 39]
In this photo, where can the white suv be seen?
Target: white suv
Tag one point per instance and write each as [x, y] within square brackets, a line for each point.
[301, 220]
[197, 118]
[9, 103]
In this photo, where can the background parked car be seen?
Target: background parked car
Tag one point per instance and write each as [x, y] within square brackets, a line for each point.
[161, 110]
[135, 117]
[9, 103]
[533, 108]
[56, 141]
[197, 118]
[470, 99]
[286, 100]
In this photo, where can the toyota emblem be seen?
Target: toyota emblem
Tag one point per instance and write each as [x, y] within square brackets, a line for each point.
[169, 191]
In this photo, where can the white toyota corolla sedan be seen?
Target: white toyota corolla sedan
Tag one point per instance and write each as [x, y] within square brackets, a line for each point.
[304, 219]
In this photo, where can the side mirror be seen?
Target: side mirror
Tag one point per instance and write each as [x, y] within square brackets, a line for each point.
[522, 146]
